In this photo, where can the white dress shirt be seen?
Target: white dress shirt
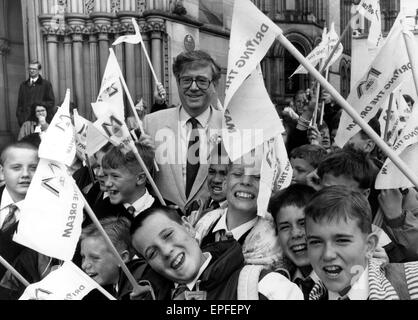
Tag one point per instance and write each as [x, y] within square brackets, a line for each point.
[142, 203]
[237, 232]
[359, 290]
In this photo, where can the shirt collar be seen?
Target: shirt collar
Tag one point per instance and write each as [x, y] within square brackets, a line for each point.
[192, 283]
[7, 200]
[33, 80]
[203, 118]
[298, 275]
[237, 232]
[359, 290]
[142, 203]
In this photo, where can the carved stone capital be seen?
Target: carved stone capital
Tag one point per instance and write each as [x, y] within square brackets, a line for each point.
[155, 25]
[52, 24]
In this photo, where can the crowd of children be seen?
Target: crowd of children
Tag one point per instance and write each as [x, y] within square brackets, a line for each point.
[321, 238]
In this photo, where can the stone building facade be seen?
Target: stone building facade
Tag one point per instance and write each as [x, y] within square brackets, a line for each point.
[71, 38]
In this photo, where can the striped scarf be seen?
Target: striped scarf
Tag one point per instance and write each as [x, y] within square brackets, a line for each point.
[380, 287]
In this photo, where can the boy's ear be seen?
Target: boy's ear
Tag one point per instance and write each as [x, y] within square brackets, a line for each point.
[372, 240]
[369, 146]
[188, 226]
[366, 192]
[125, 256]
[141, 179]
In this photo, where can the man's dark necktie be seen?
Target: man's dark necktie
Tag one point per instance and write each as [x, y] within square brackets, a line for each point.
[193, 162]
[214, 205]
[10, 218]
[131, 210]
[179, 292]
[306, 286]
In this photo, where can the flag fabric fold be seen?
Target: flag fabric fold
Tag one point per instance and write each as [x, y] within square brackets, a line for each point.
[316, 55]
[111, 92]
[387, 71]
[89, 139]
[248, 44]
[131, 38]
[250, 118]
[276, 172]
[67, 282]
[406, 146]
[58, 142]
[52, 213]
[370, 9]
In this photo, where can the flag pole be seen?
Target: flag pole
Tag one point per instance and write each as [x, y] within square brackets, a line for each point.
[350, 110]
[150, 179]
[414, 66]
[112, 248]
[321, 119]
[388, 112]
[343, 34]
[14, 271]
[146, 171]
[149, 61]
[125, 87]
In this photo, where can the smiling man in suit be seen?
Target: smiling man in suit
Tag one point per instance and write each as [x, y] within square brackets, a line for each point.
[182, 135]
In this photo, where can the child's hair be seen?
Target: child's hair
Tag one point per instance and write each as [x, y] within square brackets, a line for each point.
[374, 124]
[17, 145]
[115, 158]
[33, 138]
[340, 202]
[313, 154]
[170, 213]
[297, 195]
[117, 228]
[350, 163]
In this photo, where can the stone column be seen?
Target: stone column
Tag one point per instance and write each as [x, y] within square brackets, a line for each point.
[94, 71]
[4, 110]
[130, 70]
[52, 45]
[76, 24]
[102, 24]
[52, 30]
[146, 76]
[157, 26]
[68, 53]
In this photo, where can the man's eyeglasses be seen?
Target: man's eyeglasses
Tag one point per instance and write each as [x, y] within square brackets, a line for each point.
[202, 83]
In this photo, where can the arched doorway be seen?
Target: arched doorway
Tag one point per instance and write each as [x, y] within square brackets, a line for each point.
[297, 81]
[278, 66]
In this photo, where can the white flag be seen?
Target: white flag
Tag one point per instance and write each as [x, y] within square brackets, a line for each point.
[390, 176]
[387, 71]
[52, 213]
[111, 92]
[133, 38]
[250, 40]
[89, 139]
[250, 118]
[333, 39]
[276, 172]
[58, 142]
[316, 55]
[115, 130]
[370, 9]
[67, 282]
